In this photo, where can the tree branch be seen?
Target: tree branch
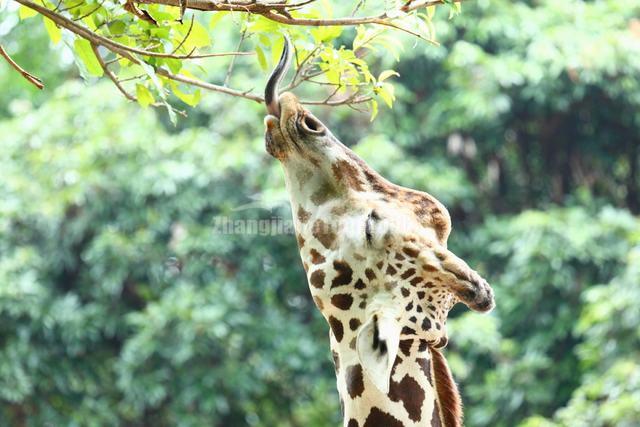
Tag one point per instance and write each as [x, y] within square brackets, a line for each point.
[266, 7]
[274, 10]
[93, 37]
[278, 11]
[27, 75]
[111, 75]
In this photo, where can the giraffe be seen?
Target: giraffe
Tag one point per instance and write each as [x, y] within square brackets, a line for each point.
[376, 259]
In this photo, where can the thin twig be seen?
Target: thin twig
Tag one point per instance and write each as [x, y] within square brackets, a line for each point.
[80, 18]
[27, 75]
[111, 75]
[186, 35]
[233, 59]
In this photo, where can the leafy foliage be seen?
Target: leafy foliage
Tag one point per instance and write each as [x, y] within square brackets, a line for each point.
[154, 51]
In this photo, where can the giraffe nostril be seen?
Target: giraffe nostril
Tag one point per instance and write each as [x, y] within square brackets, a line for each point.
[310, 124]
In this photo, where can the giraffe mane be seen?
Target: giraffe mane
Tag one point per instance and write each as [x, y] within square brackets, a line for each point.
[447, 391]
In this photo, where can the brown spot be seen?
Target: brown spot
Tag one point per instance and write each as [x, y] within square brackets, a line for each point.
[336, 361]
[425, 366]
[347, 174]
[409, 306]
[405, 346]
[442, 343]
[316, 257]
[410, 272]
[407, 331]
[415, 281]
[354, 380]
[317, 279]
[336, 327]
[426, 324]
[420, 294]
[342, 301]
[405, 292]
[318, 302]
[422, 346]
[370, 274]
[352, 343]
[379, 265]
[354, 324]
[409, 392]
[391, 270]
[300, 241]
[353, 423]
[340, 209]
[413, 253]
[378, 418]
[396, 363]
[322, 194]
[345, 274]
[303, 216]
[323, 233]
[435, 416]
[399, 256]
[360, 284]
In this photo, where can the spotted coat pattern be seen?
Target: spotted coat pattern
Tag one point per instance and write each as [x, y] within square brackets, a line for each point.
[380, 273]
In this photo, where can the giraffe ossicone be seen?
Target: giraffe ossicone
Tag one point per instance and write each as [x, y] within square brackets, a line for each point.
[379, 271]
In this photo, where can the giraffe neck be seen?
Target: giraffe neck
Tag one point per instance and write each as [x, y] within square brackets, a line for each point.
[421, 391]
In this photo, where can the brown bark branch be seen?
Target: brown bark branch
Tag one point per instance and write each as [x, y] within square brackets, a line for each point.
[275, 10]
[111, 75]
[278, 12]
[266, 8]
[93, 37]
[27, 75]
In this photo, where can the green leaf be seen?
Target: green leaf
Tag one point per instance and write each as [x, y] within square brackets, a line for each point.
[431, 10]
[386, 92]
[175, 65]
[276, 49]
[198, 37]
[144, 95]
[25, 12]
[216, 17]
[52, 29]
[191, 99]
[386, 74]
[83, 50]
[323, 34]
[117, 27]
[262, 59]
[373, 105]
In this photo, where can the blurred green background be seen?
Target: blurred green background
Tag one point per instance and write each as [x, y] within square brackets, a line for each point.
[120, 305]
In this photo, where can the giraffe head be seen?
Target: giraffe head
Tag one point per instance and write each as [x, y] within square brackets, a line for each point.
[375, 253]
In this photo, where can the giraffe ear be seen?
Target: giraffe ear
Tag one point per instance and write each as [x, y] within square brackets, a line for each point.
[377, 346]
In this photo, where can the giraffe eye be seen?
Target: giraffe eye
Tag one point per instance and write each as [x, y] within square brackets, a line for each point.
[368, 226]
